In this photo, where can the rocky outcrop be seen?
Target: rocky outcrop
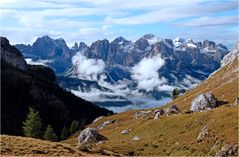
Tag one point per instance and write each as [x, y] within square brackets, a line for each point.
[98, 118]
[90, 135]
[158, 113]
[229, 58]
[142, 114]
[228, 150]
[104, 124]
[11, 55]
[205, 101]
[203, 133]
[173, 109]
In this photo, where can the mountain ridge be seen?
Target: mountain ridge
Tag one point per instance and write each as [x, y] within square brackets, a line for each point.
[150, 66]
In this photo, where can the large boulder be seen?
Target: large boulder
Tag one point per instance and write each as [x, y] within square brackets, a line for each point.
[90, 135]
[204, 101]
[173, 109]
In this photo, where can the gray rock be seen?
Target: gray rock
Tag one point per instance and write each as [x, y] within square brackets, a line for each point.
[203, 133]
[157, 115]
[236, 103]
[228, 150]
[90, 135]
[142, 114]
[173, 109]
[104, 124]
[217, 144]
[161, 111]
[203, 102]
[98, 118]
[136, 138]
[125, 132]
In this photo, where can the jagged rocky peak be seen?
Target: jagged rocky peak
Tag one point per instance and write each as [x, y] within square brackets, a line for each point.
[222, 47]
[61, 41]
[169, 41]
[199, 44]
[209, 44]
[44, 38]
[179, 39]
[11, 55]
[46, 47]
[100, 48]
[120, 40]
[75, 47]
[148, 36]
[142, 44]
[82, 46]
[190, 41]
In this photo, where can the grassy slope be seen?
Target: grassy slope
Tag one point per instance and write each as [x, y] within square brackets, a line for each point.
[18, 146]
[176, 135]
[24, 146]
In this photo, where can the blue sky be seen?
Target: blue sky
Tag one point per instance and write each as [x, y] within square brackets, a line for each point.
[90, 20]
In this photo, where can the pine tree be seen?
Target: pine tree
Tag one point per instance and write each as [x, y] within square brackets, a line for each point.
[64, 133]
[49, 134]
[175, 93]
[74, 126]
[32, 126]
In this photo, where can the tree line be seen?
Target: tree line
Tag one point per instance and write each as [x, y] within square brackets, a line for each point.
[32, 127]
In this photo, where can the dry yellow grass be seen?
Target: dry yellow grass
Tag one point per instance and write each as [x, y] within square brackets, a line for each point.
[177, 134]
[24, 146]
[19, 146]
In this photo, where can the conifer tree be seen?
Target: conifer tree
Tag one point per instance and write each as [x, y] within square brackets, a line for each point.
[64, 133]
[175, 93]
[32, 126]
[49, 134]
[74, 126]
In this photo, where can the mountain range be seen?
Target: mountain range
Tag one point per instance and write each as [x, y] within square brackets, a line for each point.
[127, 73]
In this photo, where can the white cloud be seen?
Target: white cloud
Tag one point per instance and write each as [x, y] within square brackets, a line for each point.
[146, 74]
[38, 62]
[87, 68]
[210, 21]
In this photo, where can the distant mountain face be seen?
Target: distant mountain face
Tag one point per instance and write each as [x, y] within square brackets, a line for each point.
[150, 66]
[56, 52]
[24, 86]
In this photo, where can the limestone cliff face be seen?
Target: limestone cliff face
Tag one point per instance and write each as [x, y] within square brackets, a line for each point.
[11, 55]
[231, 56]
